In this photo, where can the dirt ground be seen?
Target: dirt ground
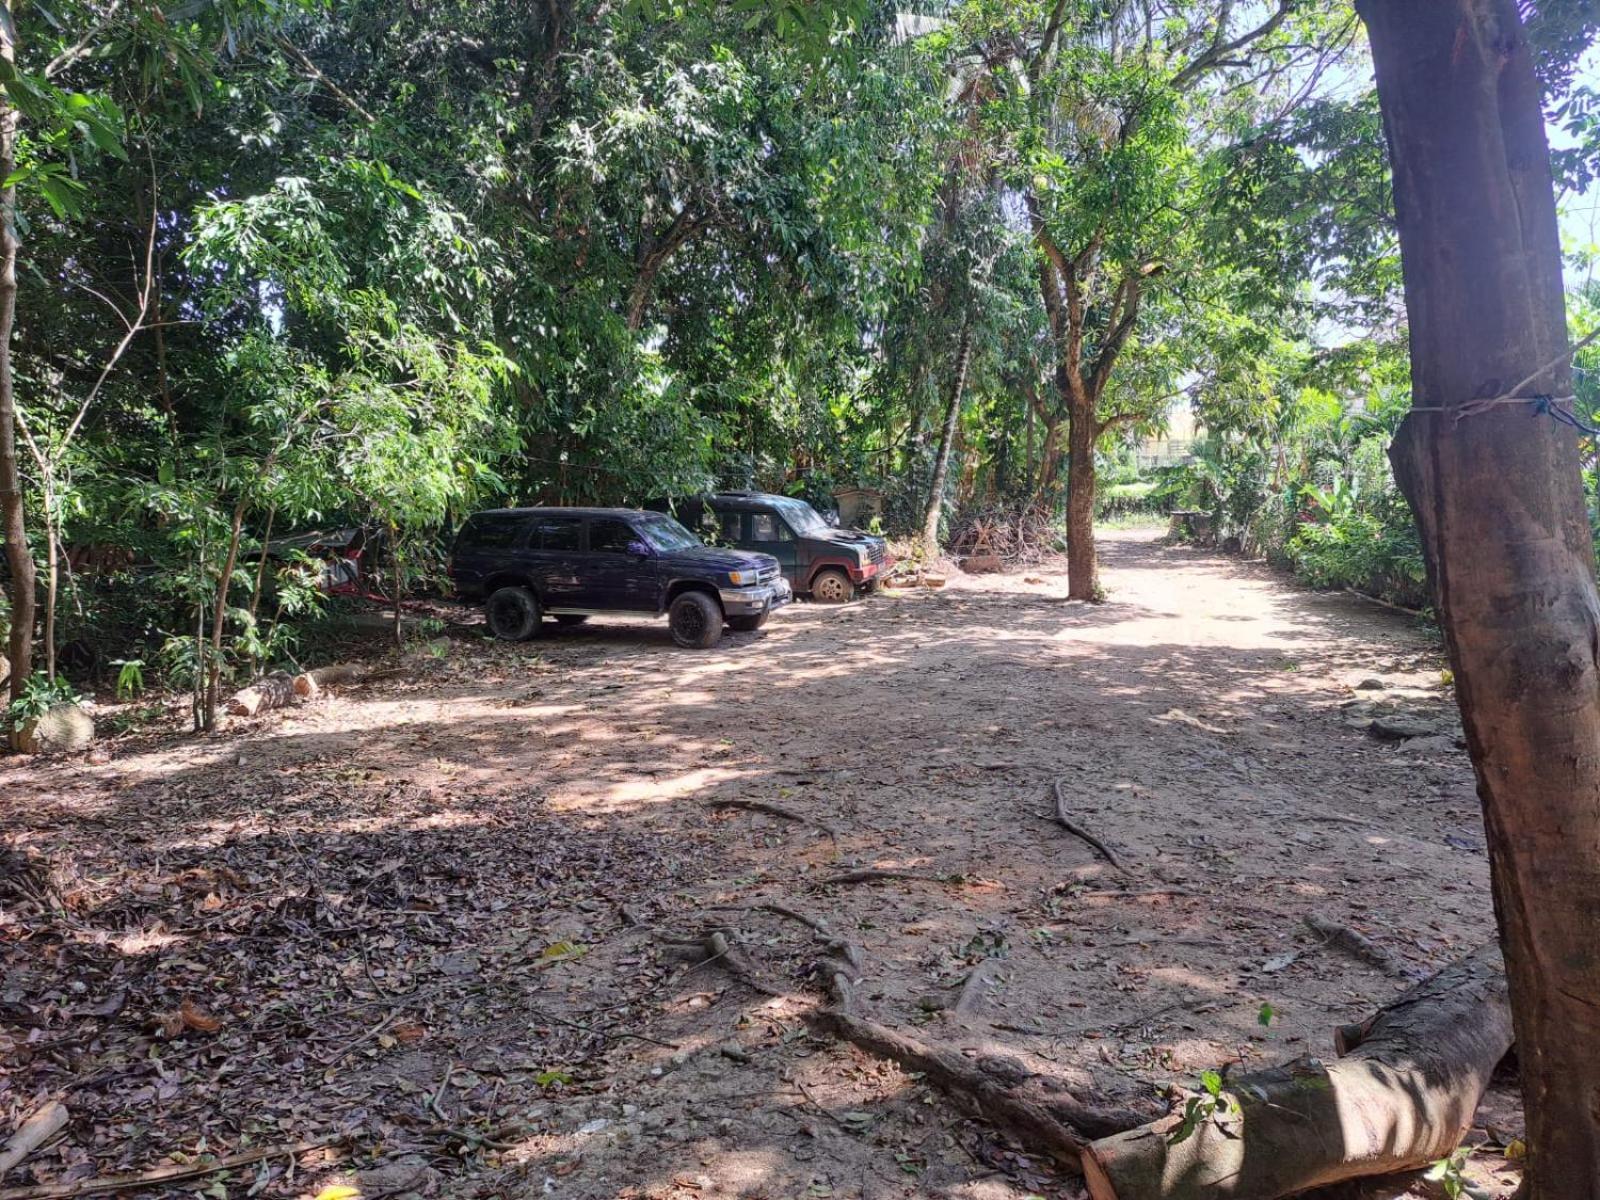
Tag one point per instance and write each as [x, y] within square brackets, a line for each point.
[419, 934]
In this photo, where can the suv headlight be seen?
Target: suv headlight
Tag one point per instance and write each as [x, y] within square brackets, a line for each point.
[747, 578]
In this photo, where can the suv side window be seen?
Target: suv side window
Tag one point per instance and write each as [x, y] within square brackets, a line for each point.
[732, 526]
[611, 537]
[557, 533]
[766, 527]
[493, 531]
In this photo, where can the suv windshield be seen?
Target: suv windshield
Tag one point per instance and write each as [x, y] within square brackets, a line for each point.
[802, 518]
[664, 533]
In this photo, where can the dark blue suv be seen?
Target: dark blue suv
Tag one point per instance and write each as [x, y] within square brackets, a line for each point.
[529, 563]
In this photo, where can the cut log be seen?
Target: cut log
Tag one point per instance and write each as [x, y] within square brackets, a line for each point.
[309, 684]
[1402, 1098]
[270, 691]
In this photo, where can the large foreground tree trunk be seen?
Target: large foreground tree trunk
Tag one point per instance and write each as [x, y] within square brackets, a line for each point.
[1083, 567]
[1499, 503]
[947, 439]
[13, 524]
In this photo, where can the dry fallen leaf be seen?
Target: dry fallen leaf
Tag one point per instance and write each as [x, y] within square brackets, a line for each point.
[409, 1031]
[196, 1019]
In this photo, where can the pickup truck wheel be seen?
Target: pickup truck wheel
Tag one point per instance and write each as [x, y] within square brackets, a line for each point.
[748, 624]
[513, 614]
[832, 586]
[696, 621]
[571, 618]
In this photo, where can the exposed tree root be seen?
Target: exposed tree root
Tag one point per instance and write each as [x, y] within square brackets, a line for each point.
[1000, 1089]
[774, 810]
[1342, 937]
[1078, 831]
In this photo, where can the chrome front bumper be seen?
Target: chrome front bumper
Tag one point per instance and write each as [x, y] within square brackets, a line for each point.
[751, 601]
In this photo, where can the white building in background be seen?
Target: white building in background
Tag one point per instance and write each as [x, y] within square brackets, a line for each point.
[1172, 447]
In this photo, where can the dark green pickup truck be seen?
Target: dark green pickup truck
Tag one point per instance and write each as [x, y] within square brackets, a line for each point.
[828, 564]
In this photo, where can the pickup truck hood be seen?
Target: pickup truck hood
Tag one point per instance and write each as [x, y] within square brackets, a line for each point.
[847, 537]
[715, 558]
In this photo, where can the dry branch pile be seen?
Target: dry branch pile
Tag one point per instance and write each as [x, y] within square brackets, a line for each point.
[1014, 535]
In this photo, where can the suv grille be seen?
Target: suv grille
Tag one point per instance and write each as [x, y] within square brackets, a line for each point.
[766, 576]
[877, 552]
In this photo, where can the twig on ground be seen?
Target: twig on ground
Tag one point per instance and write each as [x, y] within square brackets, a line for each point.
[1078, 831]
[875, 874]
[329, 1059]
[135, 1180]
[622, 1035]
[1359, 946]
[774, 810]
[438, 1094]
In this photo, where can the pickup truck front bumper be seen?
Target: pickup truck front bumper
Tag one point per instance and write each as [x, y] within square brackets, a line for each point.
[753, 601]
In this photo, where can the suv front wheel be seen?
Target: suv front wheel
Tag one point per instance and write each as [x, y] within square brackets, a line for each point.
[695, 620]
[832, 586]
[513, 614]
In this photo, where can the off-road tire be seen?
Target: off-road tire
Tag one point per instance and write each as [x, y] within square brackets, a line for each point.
[832, 586]
[695, 620]
[749, 624]
[513, 614]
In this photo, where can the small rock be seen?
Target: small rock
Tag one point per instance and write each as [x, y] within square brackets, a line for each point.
[1371, 684]
[594, 1126]
[736, 1052]
[1437, 743]
[406, 1176]
[1400, 726]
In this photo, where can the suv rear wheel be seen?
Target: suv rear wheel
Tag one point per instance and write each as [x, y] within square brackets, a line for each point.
[513, 614]
[832, 586]
[695, 620]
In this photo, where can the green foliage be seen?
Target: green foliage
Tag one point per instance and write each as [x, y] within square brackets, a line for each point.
[1210, 1105]
[39, 695]
[130, 678]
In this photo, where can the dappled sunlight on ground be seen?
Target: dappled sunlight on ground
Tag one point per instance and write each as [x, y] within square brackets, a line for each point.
[496, 849]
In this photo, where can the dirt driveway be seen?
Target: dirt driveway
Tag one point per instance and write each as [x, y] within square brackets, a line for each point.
[431, 922]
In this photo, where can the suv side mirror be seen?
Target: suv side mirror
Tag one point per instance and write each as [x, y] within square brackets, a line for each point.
[640, 549]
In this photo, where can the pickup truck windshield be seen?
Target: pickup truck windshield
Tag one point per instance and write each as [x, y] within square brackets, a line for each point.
[802, 518]
[665, 534]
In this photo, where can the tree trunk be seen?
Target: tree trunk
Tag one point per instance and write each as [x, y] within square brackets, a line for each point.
[1400, 1099]
[13, 522]
[219, 615]
[1083, 572]
[52, 588]
[261, 564]
[947, 437]
[1499, 503]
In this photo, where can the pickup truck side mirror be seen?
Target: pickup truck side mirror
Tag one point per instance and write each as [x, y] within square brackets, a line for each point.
[640, 549]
